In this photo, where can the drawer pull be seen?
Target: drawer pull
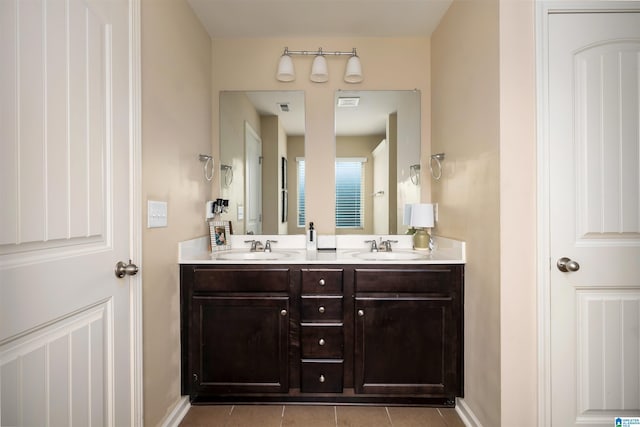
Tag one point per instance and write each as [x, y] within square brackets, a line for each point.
[322, 378]
[321, 282]
[283, 312]
[321, 309]
[360, 313]
[322, 341]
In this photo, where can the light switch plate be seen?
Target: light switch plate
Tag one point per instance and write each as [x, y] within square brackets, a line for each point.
[156, 214]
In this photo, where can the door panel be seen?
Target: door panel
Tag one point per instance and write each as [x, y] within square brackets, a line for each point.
[250, 357]
[65, 344]
[406, 346]
[594, 139]
[253, 172]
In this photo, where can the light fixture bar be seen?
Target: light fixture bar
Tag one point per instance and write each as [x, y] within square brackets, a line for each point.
[319, 69]
[317, 52]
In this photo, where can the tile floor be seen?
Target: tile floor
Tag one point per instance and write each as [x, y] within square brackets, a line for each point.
[319, 416]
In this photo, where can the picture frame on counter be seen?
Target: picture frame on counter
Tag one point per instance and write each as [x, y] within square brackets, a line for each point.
[220, 232]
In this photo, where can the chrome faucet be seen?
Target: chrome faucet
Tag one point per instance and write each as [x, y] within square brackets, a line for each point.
[385, 245]
[267, 245]
[256, 245]
[374, 245]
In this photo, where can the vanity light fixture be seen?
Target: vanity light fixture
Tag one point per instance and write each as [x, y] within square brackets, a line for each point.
[319, 68]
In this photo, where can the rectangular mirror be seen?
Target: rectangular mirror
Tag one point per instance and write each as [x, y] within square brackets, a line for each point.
[261, 138]
[377, 159]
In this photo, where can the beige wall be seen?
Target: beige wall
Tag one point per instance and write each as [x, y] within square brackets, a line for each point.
[518, 214]
[388, 63]
[236, 110]
[466, 127]
[274, 147]
[176, 112]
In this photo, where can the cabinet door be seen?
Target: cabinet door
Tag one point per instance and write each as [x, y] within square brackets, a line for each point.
[406, 345]
[239, 344]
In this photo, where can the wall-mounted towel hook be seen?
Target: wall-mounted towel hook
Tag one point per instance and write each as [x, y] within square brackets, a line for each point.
[208, 171]
[227, 171]
[414, 174]
[437, 159]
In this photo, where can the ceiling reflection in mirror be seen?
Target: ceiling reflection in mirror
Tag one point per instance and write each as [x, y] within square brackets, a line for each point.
[377, 159]
[261, 140]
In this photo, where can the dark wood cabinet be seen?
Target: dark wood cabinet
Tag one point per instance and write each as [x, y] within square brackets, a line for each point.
[380, 334]
[242, 344]
[408, 331]
[235, 330]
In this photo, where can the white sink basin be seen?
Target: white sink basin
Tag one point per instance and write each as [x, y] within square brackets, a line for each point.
[245, 255]
[391, 256]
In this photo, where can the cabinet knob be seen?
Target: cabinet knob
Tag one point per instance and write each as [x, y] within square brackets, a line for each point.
[321, 282]
[360, 313]
[321, 309]
[322, 378]
[322, 341]
[283, 312]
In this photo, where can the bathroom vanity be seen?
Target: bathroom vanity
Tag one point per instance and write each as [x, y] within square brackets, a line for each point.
[345, 327]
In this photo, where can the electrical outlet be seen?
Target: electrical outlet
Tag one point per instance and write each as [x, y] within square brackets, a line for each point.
[156, 214]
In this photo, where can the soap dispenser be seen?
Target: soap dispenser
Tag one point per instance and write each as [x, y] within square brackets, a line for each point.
[312, 238]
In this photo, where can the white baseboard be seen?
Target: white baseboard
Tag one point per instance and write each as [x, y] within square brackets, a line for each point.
[177, 413]
[466, 414]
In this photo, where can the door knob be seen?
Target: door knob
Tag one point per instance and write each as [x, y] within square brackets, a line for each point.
[567, 264]
[123, 269]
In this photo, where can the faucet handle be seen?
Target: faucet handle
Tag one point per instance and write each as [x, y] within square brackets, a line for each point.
[254, 244]
[386, 244]
[267, 245]
[374, 245]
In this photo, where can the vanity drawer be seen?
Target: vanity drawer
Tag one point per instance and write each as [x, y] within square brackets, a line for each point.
[322, 281]
[321, 308]
[432, 279]
[321, 376]
[324, 341]
[241, 280]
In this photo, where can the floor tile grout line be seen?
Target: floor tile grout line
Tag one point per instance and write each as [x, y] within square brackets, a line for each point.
[386, 408]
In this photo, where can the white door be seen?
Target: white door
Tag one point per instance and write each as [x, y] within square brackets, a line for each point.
[253, 181]
[65, 319]
[381, 188]
[594, 160]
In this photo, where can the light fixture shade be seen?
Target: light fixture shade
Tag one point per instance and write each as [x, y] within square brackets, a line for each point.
[353, 72]
[286, 72]
[319, 69]
[421, 215]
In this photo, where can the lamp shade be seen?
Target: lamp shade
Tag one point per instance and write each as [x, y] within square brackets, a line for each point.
[421, 215]
[319, 70]
[286, 72]
[353, 72]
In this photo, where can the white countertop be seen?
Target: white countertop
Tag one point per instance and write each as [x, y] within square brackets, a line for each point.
[350, 249]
